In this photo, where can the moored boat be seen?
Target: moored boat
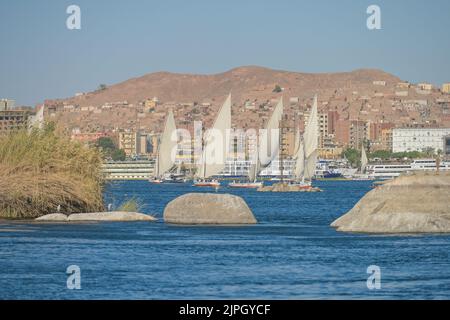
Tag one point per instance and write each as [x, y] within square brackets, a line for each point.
[207, 183]
[217, 135]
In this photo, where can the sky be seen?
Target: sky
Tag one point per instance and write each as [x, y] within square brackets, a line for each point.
[40, 58]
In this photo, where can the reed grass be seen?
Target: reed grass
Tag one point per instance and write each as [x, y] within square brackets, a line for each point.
[40, 171]
[131, 205]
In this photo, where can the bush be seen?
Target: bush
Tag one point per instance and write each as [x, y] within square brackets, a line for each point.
[41, 172]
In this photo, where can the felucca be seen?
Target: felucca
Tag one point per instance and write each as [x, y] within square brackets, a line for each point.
[165, 159]
[306, 151]
[215, 148]
[267, 149]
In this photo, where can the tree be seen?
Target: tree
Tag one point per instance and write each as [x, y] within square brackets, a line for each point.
[353, 156]
[277, 89]
[102, 87]
[105, 143]
[118, 155]
[109, 149]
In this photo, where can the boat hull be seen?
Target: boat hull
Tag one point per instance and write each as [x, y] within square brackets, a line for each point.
[212, 184]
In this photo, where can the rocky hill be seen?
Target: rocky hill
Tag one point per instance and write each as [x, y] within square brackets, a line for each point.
[363, 94]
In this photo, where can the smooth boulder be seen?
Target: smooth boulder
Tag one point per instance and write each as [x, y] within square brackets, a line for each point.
[208, 208]
[53, 217]
[414, 203]
[97, 216]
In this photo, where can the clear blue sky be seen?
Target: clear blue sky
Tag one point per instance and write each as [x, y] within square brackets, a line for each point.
[40, 58]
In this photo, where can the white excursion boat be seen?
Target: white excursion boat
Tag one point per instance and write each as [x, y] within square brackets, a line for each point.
[207, 169]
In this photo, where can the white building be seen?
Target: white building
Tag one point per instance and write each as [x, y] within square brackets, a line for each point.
[418, 139]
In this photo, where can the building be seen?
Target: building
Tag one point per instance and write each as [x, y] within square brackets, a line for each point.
[419, 139]
[386, 139]
[128, 142]
[446, 88]
[13, 119]
[425, 86]
[333, 117]
[86, 137]
[447, 146]
[6, 104]
[375, 130]
[342, 132]
[358, 133]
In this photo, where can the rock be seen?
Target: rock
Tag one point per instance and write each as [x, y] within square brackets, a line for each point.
[98, 216]
[53, 217]
[285, 187]
[415, 203]
[207, 208]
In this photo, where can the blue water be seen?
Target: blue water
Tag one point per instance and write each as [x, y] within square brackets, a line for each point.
[291, 254]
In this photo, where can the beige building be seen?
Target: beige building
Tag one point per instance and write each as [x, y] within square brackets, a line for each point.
[12, 119]
[425, 86]
[128, 142]
[446, 88]
[358, 133]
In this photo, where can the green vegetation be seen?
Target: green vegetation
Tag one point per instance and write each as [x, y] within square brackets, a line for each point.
[102, 87]
[118, 155]
[41, 171]
[109, 149]
[354, 156]
[132, 205]
[277, 89]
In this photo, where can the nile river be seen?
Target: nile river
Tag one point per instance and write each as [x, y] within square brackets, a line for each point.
[291, 254]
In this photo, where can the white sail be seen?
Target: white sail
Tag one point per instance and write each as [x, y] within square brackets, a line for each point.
[269, 138]
[167, 147]
[216, 143]
[310, 166]
[299, 160]
[311, 141]
[364, 160]
[311, 135]
[297, 141]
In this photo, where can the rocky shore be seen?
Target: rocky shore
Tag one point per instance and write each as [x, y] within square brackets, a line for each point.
[208, 208]
[96, 216]
[415, 203]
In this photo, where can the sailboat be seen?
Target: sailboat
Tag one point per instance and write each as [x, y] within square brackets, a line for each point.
[164, 159]
[306, 151]
[253, 182]
[362, 175]
[267, 149]
[211, 146]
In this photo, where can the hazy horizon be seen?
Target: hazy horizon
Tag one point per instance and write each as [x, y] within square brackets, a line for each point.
[42, 59]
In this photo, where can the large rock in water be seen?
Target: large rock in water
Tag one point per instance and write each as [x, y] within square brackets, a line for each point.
[415, 203]
[97, 216]
[207, 208]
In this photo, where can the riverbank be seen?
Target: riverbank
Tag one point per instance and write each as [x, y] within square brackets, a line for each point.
[43, 172]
